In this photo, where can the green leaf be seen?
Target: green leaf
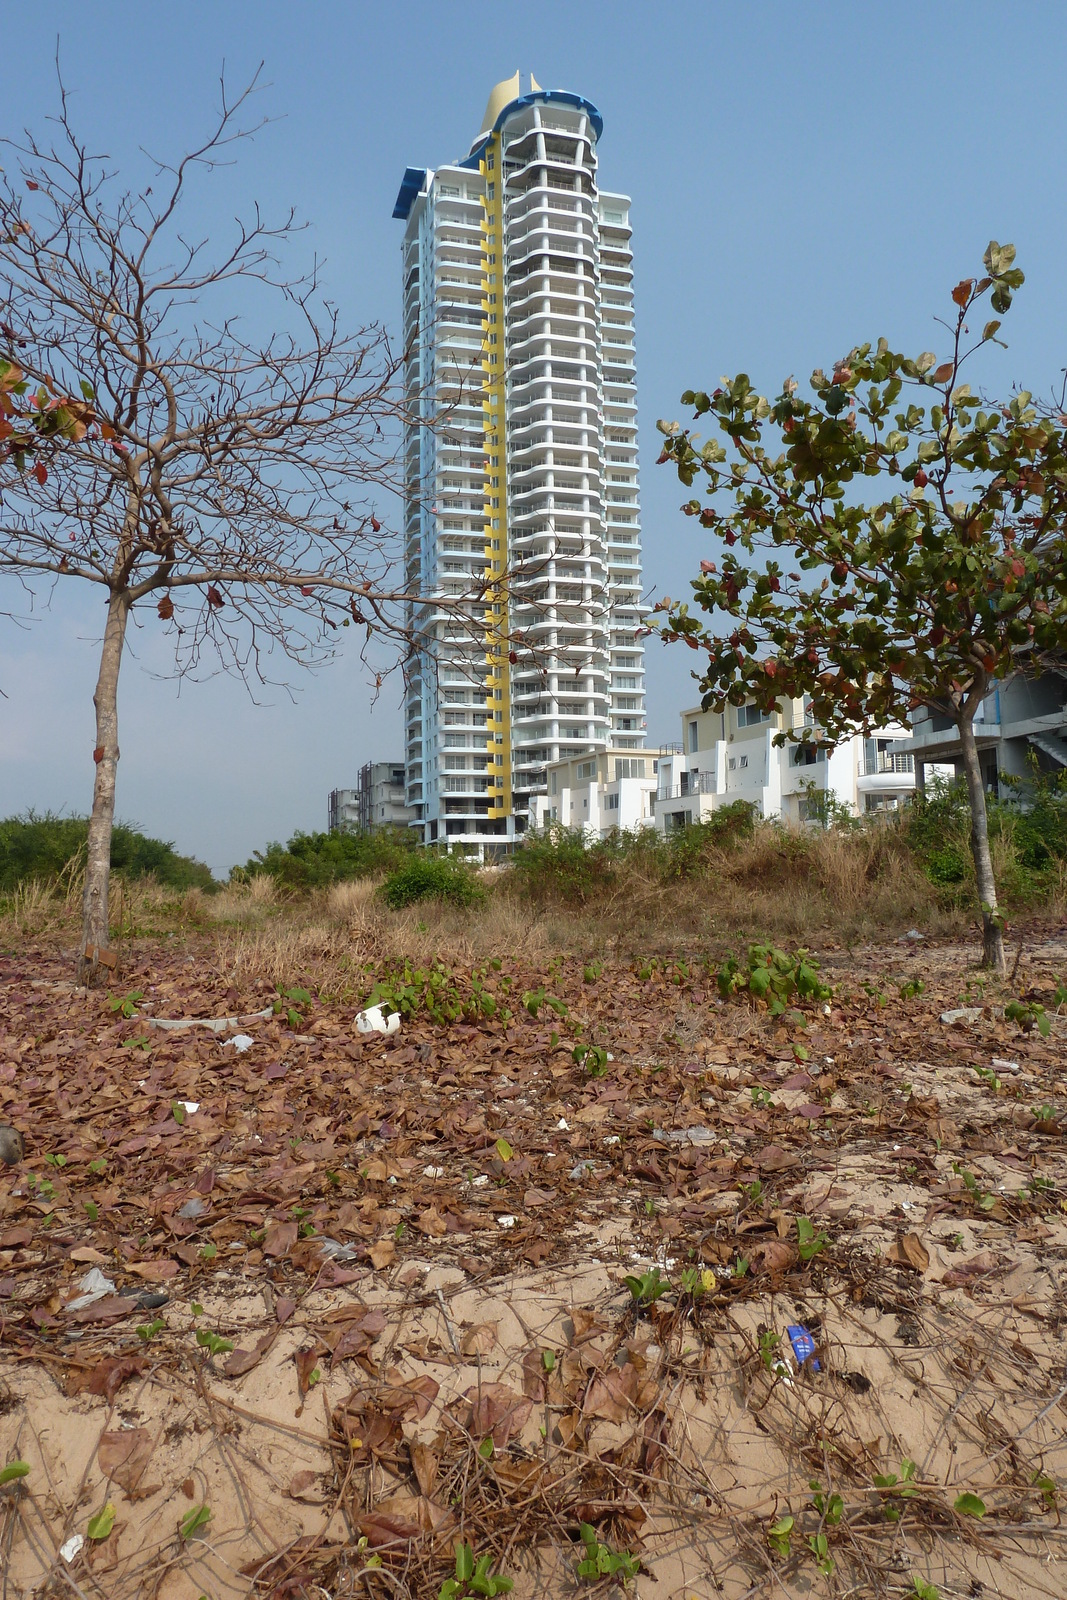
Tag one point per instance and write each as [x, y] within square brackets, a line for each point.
[13, 1470]
[101, 1525]
[194, 1521]
[504, 1150]
[464, 1563]
[969, 1505]
[177, 1108]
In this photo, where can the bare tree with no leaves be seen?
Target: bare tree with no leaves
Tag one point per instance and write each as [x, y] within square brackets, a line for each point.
[216, 482]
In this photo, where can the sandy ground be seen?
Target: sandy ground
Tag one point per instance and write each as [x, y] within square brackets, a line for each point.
[369, 1415]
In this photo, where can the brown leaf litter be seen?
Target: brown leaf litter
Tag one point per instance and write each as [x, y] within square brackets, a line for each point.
[362, 1298]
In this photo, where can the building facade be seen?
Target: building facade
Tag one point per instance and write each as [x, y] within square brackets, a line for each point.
[731, 755]
[600, 792]
[378, 801]
[521, 484]
[1020, 724]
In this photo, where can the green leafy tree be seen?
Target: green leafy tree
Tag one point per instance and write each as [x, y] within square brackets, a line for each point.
[950, 577]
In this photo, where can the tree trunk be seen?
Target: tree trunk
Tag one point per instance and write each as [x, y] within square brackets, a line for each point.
[992, 928]
[95, 957]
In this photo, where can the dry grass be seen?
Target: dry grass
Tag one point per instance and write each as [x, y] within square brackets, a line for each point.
[794, 887]
[335, 935]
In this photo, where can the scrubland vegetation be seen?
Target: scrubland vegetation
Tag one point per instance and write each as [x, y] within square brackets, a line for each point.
[318, 905]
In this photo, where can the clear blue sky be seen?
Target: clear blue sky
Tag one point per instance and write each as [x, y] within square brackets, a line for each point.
[803, 177]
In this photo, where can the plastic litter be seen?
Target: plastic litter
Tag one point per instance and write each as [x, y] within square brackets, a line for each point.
[686, 1135]
[94, 1286]
[563, 1126]
[240, 1042]
[374, 1020]
[803, 1345]
[506, 1222]
[191, 1106]
[914, 935]
[72, 1547]
[192, 1208]
[961, 1014]
[334, 1250]
[1000, 1065]
[582, 1170]
[216, 1024]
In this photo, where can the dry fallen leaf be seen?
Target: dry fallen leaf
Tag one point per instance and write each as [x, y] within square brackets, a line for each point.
[280, 1238]
[301, 1482]
[771, 1255]
[479, 1339]
[496, 1410]
[382, 1254]
[123, 1456]
[611, 1394]
[908, 1250]
[431, 1222]
[424, 1464]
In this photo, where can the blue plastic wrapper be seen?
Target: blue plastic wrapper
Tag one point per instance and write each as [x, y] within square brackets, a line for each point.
[803, 1346]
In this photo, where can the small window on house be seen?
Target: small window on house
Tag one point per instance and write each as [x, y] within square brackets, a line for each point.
[693, 735]
[744, 761]
[751, 716]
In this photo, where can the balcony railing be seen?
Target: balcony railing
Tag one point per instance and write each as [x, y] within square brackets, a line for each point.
[698, 783]
[888, 761]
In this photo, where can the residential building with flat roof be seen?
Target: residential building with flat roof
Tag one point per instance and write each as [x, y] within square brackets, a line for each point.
[522, 520]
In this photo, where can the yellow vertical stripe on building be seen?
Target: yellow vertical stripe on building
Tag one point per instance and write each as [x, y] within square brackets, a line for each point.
[497, 627]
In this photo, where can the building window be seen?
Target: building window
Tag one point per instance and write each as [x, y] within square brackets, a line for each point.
[751, 716]
[743, 761]
[586, 769]
[693, 735]
[630, 767]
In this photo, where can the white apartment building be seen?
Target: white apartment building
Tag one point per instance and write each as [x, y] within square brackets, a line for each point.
[731, 755]
[521, 484]
[600, 792]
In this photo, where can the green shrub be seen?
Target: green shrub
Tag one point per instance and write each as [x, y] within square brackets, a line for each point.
[41, 847]
[1027, 831]
[774, 977]
[559, 864]
[686, 852]
[317, 860]
[426, 877]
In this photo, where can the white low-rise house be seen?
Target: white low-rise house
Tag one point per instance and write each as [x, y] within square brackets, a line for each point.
[1019, 724]
[731, 755]
[599, 792]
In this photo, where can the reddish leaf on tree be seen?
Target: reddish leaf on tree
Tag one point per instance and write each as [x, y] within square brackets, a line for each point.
[40, 472]
[214, 598]
[165, 608]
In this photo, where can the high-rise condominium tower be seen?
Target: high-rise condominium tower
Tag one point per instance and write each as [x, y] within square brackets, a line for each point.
[521, 467]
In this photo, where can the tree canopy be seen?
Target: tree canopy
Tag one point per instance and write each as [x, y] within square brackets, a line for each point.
[951, 576]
